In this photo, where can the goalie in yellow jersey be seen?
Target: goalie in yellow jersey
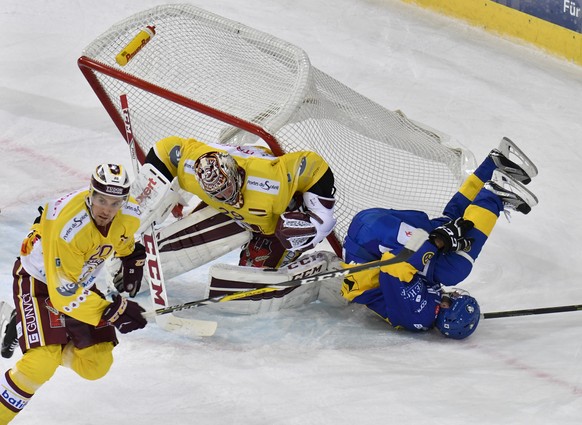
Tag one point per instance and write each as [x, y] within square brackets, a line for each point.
[276, 208]
[61, 318]
[285, 202]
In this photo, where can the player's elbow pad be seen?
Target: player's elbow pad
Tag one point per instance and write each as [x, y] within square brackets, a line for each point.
[320, 210]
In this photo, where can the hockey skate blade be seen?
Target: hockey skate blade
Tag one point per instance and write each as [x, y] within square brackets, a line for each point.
[508, 183]
[173, 323]
[510, 149]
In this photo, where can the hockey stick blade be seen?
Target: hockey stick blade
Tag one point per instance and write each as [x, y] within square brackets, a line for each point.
[173, 323]
[411, 247]
[531, 311]
[159, 296]
[512, 151]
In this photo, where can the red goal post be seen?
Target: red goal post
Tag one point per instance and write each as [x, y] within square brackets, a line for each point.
[206, 77]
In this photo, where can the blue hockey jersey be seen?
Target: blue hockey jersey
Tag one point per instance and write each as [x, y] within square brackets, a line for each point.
[408, 294]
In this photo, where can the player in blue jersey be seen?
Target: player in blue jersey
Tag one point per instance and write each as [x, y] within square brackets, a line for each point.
[413, 295]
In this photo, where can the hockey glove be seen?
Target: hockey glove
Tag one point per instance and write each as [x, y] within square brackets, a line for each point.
[450, 237]
[295, 230]
[124, 314]
[129, 277]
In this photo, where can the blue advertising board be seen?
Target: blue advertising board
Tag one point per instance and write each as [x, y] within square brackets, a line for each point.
[565, 13]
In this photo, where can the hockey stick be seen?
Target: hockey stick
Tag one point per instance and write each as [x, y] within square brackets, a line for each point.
[414, 243]
[154, 276]
[531, 311]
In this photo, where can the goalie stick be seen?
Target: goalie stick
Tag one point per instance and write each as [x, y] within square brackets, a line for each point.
[154, 274]
[418, 238]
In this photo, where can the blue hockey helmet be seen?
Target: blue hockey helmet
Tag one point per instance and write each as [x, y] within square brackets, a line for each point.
[460, 319]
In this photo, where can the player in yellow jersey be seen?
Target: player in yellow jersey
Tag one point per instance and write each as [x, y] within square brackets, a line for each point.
[286, 202]
[61, 317]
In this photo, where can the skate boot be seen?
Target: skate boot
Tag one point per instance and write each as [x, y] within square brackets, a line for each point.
[513, 194]
[10, 338]
[510, 159]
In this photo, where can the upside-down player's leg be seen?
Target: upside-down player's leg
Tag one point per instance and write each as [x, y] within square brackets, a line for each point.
[20, 383]
[507, 158]
[483, 212]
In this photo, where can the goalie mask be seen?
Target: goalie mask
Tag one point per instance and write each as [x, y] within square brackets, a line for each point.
[462, 317]
[220, 177]
[110, 180]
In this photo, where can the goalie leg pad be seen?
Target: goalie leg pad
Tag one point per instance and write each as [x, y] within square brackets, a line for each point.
[155, 195]
[226, 279]
[197, 239]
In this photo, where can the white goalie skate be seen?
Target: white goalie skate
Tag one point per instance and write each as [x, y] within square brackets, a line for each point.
[514, 195]
[510, 159]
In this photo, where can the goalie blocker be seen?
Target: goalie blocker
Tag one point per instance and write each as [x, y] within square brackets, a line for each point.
[227, 279]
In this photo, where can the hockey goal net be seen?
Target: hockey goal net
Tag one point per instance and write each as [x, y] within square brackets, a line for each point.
[206, 77]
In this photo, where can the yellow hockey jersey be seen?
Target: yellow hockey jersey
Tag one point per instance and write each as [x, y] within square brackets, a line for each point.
[269, 185]
[67, 251]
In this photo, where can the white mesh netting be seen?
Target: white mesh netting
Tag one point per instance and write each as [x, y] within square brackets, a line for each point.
[208, 78]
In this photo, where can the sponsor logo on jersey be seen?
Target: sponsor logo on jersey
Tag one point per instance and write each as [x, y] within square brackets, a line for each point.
[67, 289]
[132, 209]
[245, 151]
[189, 167]
[259, 184]
[404, 233]
[56, 319]
[302, 166]
[74, 226]
[30, 322]
[423, 304]
[427, 257]
[77, 302]
[412, 291]
[175, 155]
[13, 399]
[54, 208]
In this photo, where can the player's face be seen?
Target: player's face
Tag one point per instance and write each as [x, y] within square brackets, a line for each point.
[445, 302]
[227, 192]
[105, 207]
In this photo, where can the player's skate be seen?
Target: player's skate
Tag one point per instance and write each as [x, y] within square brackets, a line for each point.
[9, 337]
[514, 195]
[510, 159]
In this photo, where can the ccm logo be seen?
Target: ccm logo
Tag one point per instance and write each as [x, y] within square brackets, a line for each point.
[154, 270]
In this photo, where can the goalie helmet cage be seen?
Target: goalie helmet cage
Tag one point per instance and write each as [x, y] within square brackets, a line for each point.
[206, 77]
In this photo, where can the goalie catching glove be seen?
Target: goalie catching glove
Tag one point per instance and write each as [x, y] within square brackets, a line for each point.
[451, 237]
[128, 278]
[125, 315]
[304, 230]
